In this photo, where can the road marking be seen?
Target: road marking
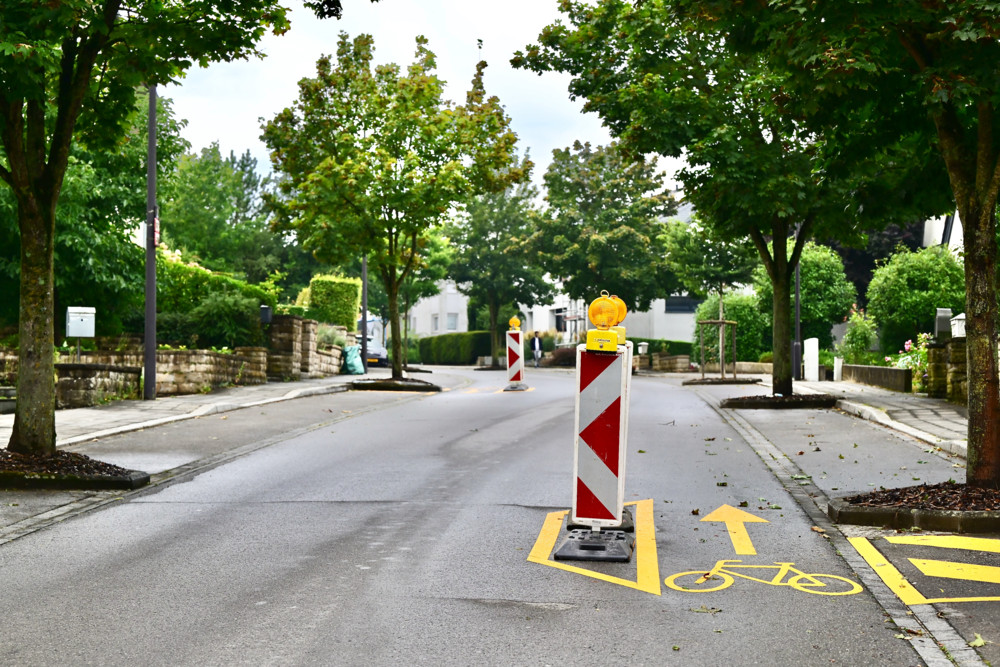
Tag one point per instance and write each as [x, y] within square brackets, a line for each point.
[906, 592]
[949, 542]
[735, 520]
[646, 564]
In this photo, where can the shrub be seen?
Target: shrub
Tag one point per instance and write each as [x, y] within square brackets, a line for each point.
[335, 300]
[766, 358]
[456, 349]
[906, 290]
[751, 329]
[657, 345]
[563, 356]
[825, 294]
[859, 339]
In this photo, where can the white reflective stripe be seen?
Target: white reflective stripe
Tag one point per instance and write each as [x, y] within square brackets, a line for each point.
[601, 393]
[598, 477]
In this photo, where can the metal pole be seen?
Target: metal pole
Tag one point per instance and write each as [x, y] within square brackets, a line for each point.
[364, 313]
[149, 348]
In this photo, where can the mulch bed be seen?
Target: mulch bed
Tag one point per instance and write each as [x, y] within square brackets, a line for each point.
[65, 470]
[776, 402]
[943, 496]
[394, 385]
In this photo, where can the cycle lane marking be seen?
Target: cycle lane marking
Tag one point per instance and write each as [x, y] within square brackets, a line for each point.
[906, 591]
[736, 520]
[646, 561]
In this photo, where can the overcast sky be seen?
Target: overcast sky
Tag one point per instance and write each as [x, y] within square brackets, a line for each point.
[226, 101]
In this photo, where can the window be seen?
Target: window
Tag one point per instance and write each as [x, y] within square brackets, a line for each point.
[434, 323]
[452, 321]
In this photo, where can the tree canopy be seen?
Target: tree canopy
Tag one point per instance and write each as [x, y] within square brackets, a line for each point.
[374, 157]
[602, 229]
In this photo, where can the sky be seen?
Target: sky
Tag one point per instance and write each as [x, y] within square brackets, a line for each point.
[226, 101]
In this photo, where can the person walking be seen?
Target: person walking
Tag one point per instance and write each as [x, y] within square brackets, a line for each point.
[536, 348]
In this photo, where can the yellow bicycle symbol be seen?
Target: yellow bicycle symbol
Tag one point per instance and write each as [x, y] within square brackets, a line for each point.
[724, 573]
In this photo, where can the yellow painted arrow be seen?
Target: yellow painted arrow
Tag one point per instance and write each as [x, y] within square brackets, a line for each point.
[735, 519]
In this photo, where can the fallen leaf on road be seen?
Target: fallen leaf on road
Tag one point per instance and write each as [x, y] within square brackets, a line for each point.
[710, 610]
[977, 642]
[695, 512]
[818, 529]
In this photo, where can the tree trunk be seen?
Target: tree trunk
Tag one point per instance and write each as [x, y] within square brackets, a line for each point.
[979, 234]
[34, 431]
[781, 331]
[722, 337]
[392, 290]
[494, 309]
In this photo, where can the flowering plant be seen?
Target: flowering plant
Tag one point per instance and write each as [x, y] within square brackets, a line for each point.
[914, 357]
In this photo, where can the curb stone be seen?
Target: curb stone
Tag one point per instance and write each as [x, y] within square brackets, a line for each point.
[951, 521]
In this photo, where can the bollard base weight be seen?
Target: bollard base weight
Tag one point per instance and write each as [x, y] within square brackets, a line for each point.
[517, 386]
[627, 524]
[613, 546]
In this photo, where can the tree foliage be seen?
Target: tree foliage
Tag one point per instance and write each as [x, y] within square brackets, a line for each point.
[374, 157]
[491, 262]
[907, 289]
[670, 81]
[602, 229]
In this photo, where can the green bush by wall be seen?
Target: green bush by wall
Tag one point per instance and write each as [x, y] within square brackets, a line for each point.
[752, 328]
[198, 308]
[657, 345]
[455, 349]
[335, 300]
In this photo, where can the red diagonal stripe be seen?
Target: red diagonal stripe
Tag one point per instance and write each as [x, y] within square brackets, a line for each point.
[587, 504]
[516, 336]
[517, 377]
[601, 435]
[512, 356]
[592, 364]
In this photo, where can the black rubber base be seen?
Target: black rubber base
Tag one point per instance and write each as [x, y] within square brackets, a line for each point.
[627, 524]
[613, 546]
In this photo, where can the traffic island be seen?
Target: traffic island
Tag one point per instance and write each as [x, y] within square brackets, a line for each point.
[842, 511]
[721, 381]
[775, 402]
[385, 384]
[65, 471]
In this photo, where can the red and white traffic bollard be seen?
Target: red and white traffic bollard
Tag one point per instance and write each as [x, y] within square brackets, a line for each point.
[603, 373]
[515, 357]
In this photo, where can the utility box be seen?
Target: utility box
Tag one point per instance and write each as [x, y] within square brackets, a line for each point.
[942, 324]
[80, 321]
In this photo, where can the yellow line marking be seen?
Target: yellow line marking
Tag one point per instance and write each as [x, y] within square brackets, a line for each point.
[736, 520]
[949, 542]
[647, 566]
[892, 577]
[948, 570]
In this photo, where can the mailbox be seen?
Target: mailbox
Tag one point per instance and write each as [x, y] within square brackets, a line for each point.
[80, 321]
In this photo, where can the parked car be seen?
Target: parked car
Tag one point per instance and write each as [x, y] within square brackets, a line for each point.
[377, 354]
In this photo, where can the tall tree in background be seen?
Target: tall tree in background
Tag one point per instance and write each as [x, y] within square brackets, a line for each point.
[491, 263]
[668, 82]
[932, 67]
[373, 158]
[602, 229]
[704, 262]
[425, 278]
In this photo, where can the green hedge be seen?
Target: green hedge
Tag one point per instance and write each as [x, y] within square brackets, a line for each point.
[200, 309]
[663, 345]
[335, 300]
[455, 349]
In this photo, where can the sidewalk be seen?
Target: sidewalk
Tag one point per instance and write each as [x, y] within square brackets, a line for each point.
[933, 420]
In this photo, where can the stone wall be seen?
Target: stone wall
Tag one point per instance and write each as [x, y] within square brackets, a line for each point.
[85, 385]
[284, 362]
[937, 370]
[958, 378]
[670, 363]
[309, 359]
[8, 367]
[896, 379]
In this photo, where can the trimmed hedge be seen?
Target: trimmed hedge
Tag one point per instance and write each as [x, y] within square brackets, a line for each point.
[198, 308]
[663, 345]
[335, 300]
[455, 349]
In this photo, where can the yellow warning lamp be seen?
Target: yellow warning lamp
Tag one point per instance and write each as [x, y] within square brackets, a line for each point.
[604, 313]
[622, 312]
[515, 323]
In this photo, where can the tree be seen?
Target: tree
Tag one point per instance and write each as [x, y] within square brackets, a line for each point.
[373, 159]
[825, 293]
[669, 82]
[491, 263]
[96, 262]
[69, 72]
[704, 262]
[603, 224]
[425, 278]
[931, 68]
[908, 287]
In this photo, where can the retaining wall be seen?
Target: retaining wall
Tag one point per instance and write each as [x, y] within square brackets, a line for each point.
[896, 379]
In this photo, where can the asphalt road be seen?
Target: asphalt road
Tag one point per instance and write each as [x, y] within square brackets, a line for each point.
[367, 528]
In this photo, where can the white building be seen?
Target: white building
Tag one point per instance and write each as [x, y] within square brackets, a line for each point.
[445, 312]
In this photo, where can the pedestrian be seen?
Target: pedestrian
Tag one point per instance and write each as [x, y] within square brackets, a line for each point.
[536, 347]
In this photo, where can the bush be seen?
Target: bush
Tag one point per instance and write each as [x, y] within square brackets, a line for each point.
[825, 294]
[766, 358]
[906, 290]
[563, 356]
[456, 349]
[335, 300]
[859, 339]
[198, 308]
[751, 329]
[657, 345]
